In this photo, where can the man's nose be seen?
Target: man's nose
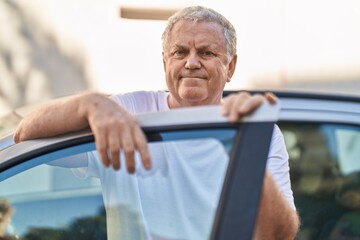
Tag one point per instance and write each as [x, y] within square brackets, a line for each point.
[192, 62]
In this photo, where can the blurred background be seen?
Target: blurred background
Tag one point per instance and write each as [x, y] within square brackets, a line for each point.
[51, 48]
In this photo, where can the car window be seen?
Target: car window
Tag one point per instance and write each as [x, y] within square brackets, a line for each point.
[49, 202]
[58, 195]
[325, 176]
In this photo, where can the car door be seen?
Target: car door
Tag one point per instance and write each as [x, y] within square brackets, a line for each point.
[57, 187]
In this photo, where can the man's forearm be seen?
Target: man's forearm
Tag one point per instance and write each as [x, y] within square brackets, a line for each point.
[59, 116]
[276, 218]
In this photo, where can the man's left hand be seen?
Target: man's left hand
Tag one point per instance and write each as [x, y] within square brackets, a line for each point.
[238, 105]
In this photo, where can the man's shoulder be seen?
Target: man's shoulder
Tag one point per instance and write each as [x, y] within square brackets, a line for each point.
[143, 101]
[140, 94]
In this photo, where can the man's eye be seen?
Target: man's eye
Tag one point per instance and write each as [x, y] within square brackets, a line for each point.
[207, 53]
[180, 52]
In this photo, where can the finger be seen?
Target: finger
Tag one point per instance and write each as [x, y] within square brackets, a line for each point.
[128, 148]
[272, 98]
[233, 104]
[237, 110]
[230, 101]
[142, 146]
[100, 142]
[114, 146]
[226, 105]
[250, 104]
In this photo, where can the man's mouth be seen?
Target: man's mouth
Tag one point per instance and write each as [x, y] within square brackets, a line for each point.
[192, 77]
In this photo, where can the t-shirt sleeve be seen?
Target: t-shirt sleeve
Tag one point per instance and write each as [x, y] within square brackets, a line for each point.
[278, 165]
[91, 170]
[143, 101]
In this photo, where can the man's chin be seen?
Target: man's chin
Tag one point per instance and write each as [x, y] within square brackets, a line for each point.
[194, 101]
[193, 96]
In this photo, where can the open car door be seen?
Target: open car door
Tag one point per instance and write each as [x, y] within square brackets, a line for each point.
[205, 181]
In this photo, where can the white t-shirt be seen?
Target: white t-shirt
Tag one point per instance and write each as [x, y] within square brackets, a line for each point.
[178, 197]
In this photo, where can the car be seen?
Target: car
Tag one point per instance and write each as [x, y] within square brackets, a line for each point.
[322, 136]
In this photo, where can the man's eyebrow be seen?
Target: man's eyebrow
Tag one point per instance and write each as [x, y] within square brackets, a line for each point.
[200, 48]
[204, 47]
[179, 46]
[210, 47]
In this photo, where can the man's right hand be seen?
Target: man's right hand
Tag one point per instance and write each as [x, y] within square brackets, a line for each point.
[115, 129]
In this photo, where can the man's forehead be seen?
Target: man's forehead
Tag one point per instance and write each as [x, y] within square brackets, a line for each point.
[204, 34]
[192, 24]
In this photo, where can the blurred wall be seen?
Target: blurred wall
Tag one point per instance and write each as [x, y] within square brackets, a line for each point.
[34, 65]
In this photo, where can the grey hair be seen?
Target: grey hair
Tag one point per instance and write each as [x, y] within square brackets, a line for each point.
[200, 13]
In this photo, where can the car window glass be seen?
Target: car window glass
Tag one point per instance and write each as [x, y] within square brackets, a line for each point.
[348, 150]
[325, 176]
[49, 202]
[53, 200]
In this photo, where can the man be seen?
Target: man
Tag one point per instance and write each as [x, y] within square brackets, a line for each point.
[199, 58]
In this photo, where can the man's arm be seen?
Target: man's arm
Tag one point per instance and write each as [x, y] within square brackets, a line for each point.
[113, 127]
[276, 218]
[57, 117]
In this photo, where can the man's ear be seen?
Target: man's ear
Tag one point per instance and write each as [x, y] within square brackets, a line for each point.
[163, 58]
[232, 66]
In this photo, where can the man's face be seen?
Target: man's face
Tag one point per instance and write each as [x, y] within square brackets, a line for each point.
[196, 64]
